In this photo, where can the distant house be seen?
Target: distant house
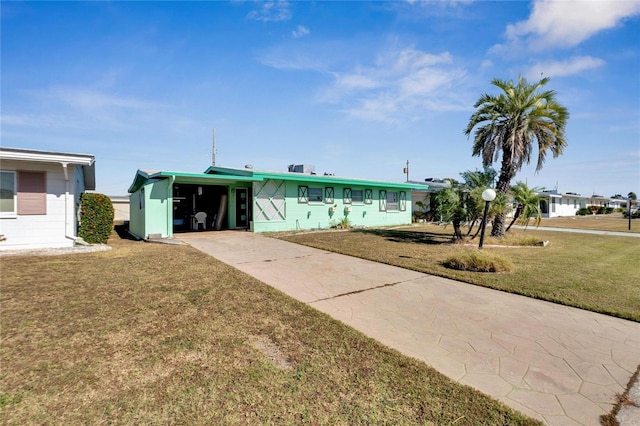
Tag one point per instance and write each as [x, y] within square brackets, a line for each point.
[423, 190]
[555, 204]
[164, 202]
[40, 197]
[120, 208]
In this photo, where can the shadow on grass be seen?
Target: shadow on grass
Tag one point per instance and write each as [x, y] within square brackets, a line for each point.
[123, 232]
[408, 236]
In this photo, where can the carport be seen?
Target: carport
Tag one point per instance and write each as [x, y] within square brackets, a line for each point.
[164, 203]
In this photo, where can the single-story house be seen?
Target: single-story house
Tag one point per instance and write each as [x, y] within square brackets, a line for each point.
[164, 202]
[40, 197]
[423, 190]
[120, 208]
[555, 204]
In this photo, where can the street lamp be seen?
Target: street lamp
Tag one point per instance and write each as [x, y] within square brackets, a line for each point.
[488, 195]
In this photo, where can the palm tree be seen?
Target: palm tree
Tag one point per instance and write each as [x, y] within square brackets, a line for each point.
[509, 123]
[528, 205]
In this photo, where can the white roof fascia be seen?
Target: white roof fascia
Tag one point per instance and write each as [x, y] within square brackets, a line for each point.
[48, 157]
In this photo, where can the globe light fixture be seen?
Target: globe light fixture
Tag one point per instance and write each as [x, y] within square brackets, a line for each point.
[488, 195]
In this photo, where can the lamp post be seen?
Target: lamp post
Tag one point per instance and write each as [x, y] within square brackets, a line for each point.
[488, 195]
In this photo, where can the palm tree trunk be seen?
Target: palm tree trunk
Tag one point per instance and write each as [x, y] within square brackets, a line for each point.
[507, 172]
[516, 215]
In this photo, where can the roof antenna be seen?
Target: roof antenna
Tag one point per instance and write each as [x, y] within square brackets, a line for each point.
[213, 155]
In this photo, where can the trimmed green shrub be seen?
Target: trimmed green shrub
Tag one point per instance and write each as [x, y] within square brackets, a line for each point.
[96, 218]
[583, 212]
[478, 261]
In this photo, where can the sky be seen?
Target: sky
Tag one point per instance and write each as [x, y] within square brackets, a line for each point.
[353, 88]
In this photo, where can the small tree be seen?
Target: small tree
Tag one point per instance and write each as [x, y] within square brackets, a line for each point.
[451, 207]
[528, 205]
[96, 218]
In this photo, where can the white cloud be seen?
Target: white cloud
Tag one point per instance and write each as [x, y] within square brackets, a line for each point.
[90, 100]
[486, 64]
[271, 11]
[567, 67]
[300, 31]
[401, 85]
[555, 23]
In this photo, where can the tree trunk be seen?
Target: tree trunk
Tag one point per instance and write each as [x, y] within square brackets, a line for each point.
[516, 215]
[507, 172]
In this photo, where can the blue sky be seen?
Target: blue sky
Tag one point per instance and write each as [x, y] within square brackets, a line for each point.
[354, 88]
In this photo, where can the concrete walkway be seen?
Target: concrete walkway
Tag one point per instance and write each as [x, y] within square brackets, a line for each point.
[581, 231]
[558, 364]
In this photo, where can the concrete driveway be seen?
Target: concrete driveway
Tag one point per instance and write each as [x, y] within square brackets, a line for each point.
[558, 364]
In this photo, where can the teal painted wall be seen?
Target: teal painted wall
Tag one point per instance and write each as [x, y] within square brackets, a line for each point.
[150, 209]
[158, 208]
[136, 214]
[318, 214]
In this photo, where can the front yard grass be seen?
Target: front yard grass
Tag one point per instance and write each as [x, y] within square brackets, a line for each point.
[157, 334]
[594, 272]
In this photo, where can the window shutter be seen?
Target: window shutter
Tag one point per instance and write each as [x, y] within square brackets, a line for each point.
[32, 193]
[346, 196]
[403, 201]
[383, 200]
[368, 196]
[328, 195]
[303, 194]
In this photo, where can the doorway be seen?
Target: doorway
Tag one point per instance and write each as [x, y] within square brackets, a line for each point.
[242, 208]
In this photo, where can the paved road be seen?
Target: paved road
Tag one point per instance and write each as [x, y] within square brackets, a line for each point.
[558, 364]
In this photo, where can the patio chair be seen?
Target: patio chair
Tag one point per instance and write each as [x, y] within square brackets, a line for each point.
[200, 218]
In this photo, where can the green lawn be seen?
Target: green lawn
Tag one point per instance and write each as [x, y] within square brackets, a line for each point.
[157, 334]
[595, 272]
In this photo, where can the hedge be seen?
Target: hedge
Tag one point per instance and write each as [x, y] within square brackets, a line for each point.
[96, 218]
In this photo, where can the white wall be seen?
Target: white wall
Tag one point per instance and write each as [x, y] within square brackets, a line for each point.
[45, 231]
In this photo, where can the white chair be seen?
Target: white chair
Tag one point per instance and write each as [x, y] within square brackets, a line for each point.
[200, 218]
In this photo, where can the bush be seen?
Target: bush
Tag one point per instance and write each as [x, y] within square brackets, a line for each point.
[583, 212]
[96, 218]
[594, 209]
[478, 261]
[604, 210]
[634, 215]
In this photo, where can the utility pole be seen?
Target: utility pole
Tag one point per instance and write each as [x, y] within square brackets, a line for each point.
[406, 170]
[213, 155]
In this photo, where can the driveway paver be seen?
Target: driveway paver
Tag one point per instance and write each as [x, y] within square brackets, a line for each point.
[559, 364]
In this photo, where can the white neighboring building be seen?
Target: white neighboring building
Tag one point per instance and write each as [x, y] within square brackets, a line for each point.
[40, 197]
[554, 204]
[120, 208]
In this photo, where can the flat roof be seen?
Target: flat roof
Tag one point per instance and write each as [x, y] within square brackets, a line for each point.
[228, 175]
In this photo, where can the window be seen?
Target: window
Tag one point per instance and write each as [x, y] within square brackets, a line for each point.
[392, 200]
[346, 196]
[32, 193]
[368, 196]
[357, 196]
[303, 194]
[315, 194]
[328, 195]
[575, 204]
[7, 193]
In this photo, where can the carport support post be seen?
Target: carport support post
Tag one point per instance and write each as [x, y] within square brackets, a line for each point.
[629, 211]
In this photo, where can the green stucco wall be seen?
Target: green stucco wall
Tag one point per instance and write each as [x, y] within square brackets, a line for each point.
[150, 209]
[136, 214]
[319, 215]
